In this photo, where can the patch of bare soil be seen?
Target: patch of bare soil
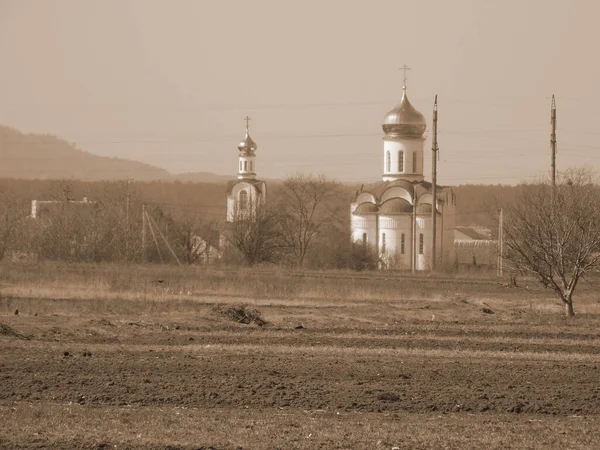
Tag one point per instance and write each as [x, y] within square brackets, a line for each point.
[243, 314]
[6, 330]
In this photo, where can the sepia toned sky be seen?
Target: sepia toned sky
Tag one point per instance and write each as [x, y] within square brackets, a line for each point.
[169, 82]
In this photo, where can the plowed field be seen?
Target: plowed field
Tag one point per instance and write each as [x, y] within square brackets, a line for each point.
[113, 373]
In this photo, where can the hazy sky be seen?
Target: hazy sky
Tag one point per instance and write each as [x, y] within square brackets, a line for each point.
[169, 82]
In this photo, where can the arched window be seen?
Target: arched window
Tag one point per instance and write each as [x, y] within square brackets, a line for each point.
[402, 240]
[382, 242]
[245, 166]
[250, 166]
[421, 244]
[240, 166]
[364, 240]
[400, 161]
[388, 161]
[243, 200]
[414, 162]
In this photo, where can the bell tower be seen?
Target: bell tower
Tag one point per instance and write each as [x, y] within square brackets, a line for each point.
[245, 194]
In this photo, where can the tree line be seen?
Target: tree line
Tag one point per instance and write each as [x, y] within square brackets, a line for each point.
[305, 223]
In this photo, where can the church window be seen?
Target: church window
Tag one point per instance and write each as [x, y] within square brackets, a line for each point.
[400, 161]
[240, 166]
[364, 240]
[250, 166]
[243, 201]
[382, 242]
[245, 166]
[402, 240]
[421, 244]
[388, 161]
[414, 162]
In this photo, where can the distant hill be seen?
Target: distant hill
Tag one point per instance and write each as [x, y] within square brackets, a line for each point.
[202, 177]
[30, 156]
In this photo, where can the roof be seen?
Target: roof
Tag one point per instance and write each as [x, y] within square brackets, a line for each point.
[424, 208]
[472, 233]
[366, 208]
[396, 206]
[378, 189]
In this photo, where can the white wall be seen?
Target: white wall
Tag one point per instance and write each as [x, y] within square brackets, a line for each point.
[233, 197]
[247, 167]
[365, 224]
[408, 146]
[394, 226]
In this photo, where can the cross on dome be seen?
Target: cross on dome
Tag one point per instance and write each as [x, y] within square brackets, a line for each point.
[405, 68]
[247, 119]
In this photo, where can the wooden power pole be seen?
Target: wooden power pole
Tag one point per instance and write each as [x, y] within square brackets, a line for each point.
[434, 158]
[143, 232]
[553, 142]
[500, 243]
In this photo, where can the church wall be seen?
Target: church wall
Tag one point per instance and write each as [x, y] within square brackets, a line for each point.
[233, 197]
[364, 224]
[423, 258]
[393, 226]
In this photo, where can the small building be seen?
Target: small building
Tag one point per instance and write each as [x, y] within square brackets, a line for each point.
[38, 207]
[475, 248]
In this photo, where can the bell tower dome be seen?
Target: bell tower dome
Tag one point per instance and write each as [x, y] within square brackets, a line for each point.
[247, 157]
[403, 141]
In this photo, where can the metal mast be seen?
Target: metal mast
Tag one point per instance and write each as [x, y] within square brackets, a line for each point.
[553, 142]
[143, 232]
[500, 243]
[434, 157]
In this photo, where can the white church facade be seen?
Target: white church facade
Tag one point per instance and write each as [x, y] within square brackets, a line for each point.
[394, 217]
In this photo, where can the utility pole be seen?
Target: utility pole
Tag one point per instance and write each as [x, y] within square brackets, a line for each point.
[434, 157]
[500, 242]
[553, 143]
[127, 222]
[143, 232]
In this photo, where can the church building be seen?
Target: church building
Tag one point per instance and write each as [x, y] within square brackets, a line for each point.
[394, 217]
[246, 192]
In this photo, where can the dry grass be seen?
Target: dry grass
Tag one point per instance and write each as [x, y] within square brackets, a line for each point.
[73, 280]
[265, 287]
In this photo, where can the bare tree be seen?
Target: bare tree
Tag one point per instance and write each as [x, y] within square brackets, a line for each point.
[307, 204]
[554, 234]
[13, 213]
[253, 235]
[195, 239]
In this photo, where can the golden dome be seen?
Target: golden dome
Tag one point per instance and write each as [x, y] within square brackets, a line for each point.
[247, 145]
[404, 120]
